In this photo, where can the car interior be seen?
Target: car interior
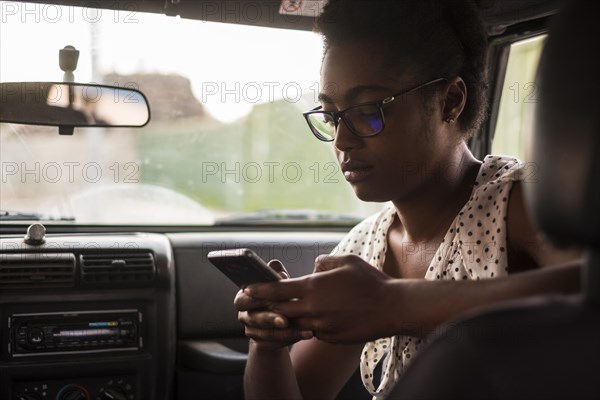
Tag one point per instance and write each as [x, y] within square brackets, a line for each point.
[110, 208]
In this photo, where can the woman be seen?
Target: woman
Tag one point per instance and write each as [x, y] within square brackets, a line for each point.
[403, 88]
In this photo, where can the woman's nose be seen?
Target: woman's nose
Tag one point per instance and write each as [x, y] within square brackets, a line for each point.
[344, 139]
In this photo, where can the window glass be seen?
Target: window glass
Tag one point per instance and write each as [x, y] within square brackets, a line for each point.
[226, 140]
[519, 94]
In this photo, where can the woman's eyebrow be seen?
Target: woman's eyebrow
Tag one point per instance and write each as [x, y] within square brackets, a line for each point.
[353, 93]
[323, 98]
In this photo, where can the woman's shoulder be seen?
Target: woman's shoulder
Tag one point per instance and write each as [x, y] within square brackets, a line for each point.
[497, 169]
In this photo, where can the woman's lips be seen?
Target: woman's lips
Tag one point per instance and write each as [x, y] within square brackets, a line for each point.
[356, 173]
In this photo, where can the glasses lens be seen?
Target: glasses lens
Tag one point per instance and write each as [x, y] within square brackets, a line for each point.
[323, 125]
[365, 120]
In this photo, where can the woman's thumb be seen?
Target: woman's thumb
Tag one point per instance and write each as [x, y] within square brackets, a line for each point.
[278, 267]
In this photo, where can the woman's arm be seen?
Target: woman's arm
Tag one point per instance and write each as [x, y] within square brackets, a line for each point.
[440, 301]
[353, 302]
[314, 370]
[322, 369]
[269, 374]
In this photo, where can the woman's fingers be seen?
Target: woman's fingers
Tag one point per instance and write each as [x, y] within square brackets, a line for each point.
[243, 302]
[267, 326]
[263, 319]
[278, 267]
[283, 290]
[262, 324]
[286, 336]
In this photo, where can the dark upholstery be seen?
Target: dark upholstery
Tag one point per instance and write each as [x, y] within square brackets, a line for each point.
[565, 200]
[538, 348]
[546, 347]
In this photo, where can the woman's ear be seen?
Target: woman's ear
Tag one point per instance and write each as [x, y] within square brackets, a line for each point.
[454, 98]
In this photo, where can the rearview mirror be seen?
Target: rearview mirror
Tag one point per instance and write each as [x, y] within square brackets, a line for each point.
[68, 105]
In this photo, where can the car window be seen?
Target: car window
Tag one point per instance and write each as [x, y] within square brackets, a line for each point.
[226, 142]
[518, 96]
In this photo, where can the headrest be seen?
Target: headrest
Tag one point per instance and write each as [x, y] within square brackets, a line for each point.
[564, 196]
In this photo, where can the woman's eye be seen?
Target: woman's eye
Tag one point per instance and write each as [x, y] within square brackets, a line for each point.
[328, 119]
[368, 113]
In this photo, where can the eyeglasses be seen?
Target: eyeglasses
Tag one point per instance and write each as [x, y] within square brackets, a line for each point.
[363, 120]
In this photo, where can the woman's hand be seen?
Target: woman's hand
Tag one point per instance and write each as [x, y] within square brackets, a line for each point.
[268, 329]
[344, 301]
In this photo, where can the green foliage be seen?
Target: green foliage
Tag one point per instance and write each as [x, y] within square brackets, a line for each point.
[266, 160]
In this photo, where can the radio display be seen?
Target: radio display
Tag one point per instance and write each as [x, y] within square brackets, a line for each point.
[84, 331]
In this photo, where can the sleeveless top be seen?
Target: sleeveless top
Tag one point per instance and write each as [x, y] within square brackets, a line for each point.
[474, 247]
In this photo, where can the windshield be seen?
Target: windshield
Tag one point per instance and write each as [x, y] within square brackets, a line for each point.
[226, 140]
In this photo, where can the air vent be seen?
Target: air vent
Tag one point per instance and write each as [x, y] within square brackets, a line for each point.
[130, 268]
[37, 270]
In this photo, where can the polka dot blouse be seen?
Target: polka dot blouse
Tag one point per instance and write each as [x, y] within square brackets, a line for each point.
[473, 248]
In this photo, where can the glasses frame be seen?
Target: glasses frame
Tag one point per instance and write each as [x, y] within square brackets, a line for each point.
[342, 114]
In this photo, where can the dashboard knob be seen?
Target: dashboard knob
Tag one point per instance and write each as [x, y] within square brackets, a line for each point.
[113, 394]
[35, 336]
[36, 234]
[74, 394]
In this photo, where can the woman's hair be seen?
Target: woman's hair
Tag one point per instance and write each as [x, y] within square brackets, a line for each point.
[426, 39]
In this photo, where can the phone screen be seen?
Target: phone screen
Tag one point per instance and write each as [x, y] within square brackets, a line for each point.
[242, 266]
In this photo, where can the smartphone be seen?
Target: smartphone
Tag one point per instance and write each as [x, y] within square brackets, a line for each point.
[243, 266]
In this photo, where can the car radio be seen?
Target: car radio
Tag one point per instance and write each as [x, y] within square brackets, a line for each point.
[75, 332]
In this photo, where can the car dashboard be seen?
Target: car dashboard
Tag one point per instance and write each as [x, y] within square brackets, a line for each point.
[87, 315]
[105, 316]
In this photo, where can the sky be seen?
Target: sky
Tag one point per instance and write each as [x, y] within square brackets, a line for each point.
[232, 67]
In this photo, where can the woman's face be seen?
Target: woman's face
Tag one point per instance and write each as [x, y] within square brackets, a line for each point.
[407, 154]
